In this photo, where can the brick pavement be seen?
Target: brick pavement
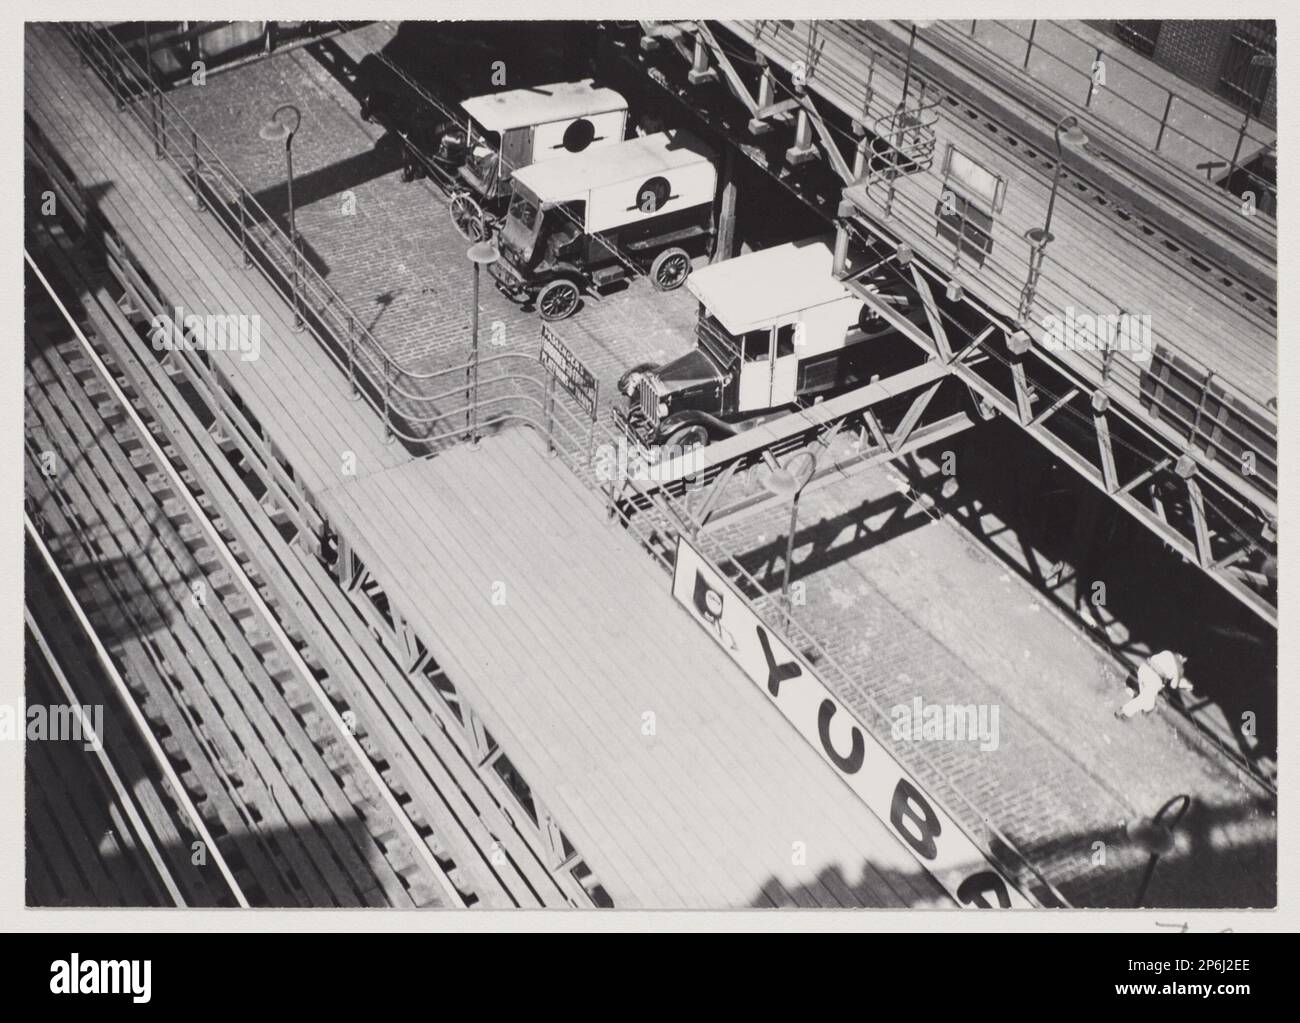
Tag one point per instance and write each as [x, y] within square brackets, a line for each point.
[1064, 774]
[388, 248]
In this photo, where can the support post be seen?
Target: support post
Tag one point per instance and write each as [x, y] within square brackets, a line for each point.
[802, 151]
[766, 95]
[724, 245]
[1018, 343]
[1100, 404]
[700, 71]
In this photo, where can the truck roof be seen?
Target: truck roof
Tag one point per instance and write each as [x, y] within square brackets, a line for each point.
[753, 290]
[519, 108]
[635, 159]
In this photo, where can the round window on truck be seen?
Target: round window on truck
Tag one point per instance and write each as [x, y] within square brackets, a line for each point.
[578, 135]
[652, 195]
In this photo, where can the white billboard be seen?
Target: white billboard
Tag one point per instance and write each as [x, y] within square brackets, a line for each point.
[861, 761]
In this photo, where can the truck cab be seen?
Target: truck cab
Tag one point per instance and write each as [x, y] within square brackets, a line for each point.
[776, 329]
[519, 127]
[592, 219]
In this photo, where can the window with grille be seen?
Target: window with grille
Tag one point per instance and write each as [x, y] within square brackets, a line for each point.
[1248, 64]
[1138, 35]
[970, 196]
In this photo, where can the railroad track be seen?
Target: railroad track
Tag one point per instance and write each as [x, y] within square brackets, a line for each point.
[293, 805]
[104, 824]
[373, 718]
[1195, 263]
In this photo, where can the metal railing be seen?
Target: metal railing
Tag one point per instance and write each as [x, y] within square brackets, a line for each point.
[1140, 111]
[1004, 270]
[410, 403]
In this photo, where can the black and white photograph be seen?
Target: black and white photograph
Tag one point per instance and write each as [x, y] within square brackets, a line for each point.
[813, 465]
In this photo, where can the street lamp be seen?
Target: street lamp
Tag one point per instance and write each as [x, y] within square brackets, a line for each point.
[1074, 138]
[907, 67]
[784, 482]
[481, 254]
[1068, 134]
[275, 130]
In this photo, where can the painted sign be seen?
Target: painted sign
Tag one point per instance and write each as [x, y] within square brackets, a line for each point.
[573, 376]
[861, 761]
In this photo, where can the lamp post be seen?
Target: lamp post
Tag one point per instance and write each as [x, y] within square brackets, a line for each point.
[275, 130]
[785, 482]
[1068, 133]
[480, 254]
[907, 66]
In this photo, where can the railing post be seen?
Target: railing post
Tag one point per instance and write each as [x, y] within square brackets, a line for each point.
[352, 356]
[1033, 27]
[548, 406]
[243, 229]
[162, 128]
[1164, 121]
[194, 148]
[1092, 78]
[388, 387]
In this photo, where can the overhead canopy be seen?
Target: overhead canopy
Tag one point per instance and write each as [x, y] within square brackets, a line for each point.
[563, 101]
[758, 288]
[633, 161]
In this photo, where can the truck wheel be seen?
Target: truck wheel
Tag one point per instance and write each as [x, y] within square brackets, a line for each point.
[688, 437]
[670, 269]
[557, 300]
[467, 218]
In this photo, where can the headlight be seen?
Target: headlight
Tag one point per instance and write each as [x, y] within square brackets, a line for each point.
[663, 409]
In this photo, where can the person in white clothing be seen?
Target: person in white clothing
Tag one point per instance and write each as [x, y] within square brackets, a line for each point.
[1158, 670]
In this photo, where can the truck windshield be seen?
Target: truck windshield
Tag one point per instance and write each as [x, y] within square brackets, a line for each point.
[519, 233]
[523, 210]
[716, 339]
[482, 157]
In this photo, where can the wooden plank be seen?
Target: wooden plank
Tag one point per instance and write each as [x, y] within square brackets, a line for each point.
[173, 243]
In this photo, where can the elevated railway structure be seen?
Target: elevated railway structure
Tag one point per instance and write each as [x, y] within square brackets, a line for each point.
[283, 781]
[1121, 313]
[468, 564]
[102, 828]
[712, 800]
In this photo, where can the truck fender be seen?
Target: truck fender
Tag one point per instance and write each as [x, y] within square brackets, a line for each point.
[689, 417]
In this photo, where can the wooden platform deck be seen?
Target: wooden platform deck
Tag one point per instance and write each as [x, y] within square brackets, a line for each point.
[189, 256]
[709, 811]
[583, 640]
[1095, 264]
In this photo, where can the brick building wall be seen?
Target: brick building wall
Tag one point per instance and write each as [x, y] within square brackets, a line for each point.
[1196, 51]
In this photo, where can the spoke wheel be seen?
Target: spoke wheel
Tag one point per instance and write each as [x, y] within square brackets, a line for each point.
[557, 300]
[670, 268]
[467, 217]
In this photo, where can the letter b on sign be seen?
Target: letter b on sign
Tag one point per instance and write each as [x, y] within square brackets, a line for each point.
[913, 818]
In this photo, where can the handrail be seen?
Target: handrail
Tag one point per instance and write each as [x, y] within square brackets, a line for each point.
[340, 330]
[1165, 127]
